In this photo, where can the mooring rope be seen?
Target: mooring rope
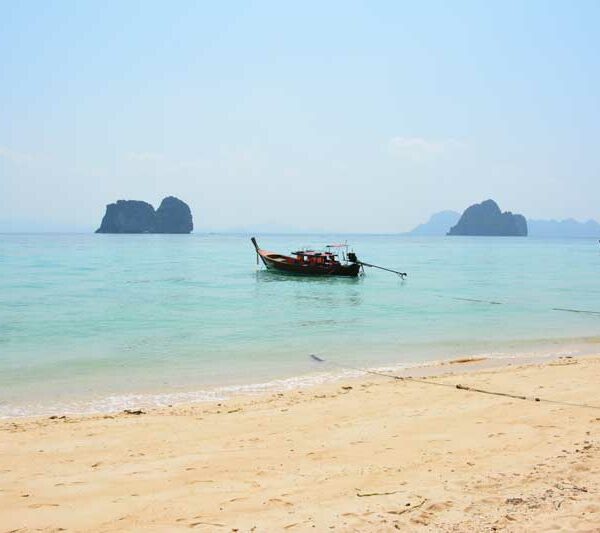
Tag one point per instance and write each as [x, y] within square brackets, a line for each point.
[494, 302]
[477, 301]
[576, 311]
[457, 386]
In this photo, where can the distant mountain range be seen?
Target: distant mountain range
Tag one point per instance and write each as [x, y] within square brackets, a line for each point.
[564, 228]
[440, 223]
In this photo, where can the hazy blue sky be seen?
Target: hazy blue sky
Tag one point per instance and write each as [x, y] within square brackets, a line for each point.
[346, 116]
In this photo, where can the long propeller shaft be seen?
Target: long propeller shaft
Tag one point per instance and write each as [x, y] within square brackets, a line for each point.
[401, 274]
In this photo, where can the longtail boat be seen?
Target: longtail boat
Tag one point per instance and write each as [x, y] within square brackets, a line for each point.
[311, 262]
[336, 260]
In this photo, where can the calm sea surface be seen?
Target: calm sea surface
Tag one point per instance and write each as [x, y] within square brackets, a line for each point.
[101, 322]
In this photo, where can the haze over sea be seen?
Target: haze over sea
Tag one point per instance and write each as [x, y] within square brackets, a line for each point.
[103, 322]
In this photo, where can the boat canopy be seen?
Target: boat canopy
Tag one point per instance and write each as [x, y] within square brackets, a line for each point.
[313, 253]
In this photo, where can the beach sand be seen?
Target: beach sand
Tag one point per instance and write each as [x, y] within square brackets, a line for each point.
[368, 454]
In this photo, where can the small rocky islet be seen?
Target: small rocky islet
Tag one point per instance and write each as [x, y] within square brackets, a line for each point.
[135, 216]
[486, 219]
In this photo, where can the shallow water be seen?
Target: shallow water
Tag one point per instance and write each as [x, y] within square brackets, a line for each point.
[91, 322]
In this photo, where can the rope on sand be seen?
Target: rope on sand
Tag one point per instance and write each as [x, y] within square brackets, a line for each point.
[455, 386]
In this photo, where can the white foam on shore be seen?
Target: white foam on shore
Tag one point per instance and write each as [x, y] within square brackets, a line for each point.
[116, 403]
[335, 372]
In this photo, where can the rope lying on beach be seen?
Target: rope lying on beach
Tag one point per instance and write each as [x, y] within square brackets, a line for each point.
[455, 386]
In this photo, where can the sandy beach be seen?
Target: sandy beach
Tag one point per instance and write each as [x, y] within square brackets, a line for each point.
[368, 454]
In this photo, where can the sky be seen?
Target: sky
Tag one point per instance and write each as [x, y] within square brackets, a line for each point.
[334, 116]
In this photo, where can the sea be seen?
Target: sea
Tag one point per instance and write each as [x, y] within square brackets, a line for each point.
[100, 323]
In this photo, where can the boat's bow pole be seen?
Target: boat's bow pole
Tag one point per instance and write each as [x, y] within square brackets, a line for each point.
[256, 248]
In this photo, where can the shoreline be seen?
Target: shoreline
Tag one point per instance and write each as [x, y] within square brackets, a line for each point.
[330, 372]
[361, 454]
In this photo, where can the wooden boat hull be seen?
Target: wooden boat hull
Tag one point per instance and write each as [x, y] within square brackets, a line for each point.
[351, 270]
[288, 265]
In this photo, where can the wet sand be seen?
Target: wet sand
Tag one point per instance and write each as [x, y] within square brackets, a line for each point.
[367, 454]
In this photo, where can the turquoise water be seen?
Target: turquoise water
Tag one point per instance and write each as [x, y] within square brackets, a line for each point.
[95, 322]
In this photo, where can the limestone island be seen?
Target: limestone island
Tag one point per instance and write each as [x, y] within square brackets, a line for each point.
[134, 216]
[486, 219]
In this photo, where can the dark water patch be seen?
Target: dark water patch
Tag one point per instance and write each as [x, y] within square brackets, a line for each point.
[270, 276]
[311, 323]
[157, 280]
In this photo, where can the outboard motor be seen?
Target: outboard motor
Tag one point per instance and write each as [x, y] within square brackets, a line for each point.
[352, 257]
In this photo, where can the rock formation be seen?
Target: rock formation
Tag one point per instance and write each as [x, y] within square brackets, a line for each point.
[173, 216]
[134, 216]
[487, 219]
[128, 216]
